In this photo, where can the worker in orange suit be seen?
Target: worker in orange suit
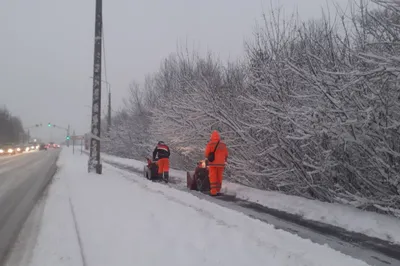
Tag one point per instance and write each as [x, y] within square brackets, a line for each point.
[162, 152]
[217, 155]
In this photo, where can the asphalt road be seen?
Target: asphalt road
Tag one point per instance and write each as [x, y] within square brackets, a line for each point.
[23, 178]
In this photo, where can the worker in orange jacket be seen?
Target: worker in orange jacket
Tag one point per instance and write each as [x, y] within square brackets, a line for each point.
[162, 152]
[217, 154]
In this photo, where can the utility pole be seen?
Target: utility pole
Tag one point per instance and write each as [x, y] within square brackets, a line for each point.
[94, 157]
[108, 105]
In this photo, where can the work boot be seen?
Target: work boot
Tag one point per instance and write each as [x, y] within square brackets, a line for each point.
[215, 194]
[166, 177]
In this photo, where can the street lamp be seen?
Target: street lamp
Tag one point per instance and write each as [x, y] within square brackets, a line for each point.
[28, 129]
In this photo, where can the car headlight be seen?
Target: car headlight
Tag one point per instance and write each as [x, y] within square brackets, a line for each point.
[27, 149]
[33, 147]
[18, 149]
[10, 151]
[37, 147]
[1, 151]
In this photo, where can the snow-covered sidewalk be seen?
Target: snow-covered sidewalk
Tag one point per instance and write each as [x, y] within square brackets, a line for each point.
[118, 218]
[344, 216]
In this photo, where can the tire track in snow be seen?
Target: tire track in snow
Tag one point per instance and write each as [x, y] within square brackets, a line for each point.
[78, 235]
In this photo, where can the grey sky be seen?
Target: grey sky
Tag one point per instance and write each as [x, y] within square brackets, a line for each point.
[46, 53]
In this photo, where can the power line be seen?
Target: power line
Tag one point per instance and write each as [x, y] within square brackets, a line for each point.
[108, 84]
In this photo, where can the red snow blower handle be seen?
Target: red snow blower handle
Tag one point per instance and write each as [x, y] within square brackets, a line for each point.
[148, 161]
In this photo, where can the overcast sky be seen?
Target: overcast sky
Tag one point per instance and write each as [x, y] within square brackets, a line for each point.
[46, 55]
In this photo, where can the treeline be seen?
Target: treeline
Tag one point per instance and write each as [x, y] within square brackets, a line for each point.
[11, 128]
[313, 109]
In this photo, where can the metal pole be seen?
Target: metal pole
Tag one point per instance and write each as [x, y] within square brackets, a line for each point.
[109, 104]
[67, 136]
[73, 142]
[94, 158]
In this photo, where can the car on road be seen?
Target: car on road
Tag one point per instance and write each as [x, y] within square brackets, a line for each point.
[33, 146]
[7, 149]
[26, 147]
[22, 147]
[42, 147]
[19, 148]
[54, 145]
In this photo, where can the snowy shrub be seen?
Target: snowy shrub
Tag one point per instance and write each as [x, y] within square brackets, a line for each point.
[130, 131]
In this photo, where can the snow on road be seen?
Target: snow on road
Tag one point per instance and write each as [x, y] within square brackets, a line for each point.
[121, 219]
[350, 218]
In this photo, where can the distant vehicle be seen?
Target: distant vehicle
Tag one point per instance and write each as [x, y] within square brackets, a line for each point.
[42, 147]
[27, 147]
[19, 148]
[54, 145]
[50, 145]
[7, 149]
[33, 146]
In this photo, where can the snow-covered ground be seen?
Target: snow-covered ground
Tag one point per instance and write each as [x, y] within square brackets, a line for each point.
[119, 218]
[344, 216]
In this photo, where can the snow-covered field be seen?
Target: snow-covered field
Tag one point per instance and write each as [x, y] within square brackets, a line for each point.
[347, 217]
[119, 218]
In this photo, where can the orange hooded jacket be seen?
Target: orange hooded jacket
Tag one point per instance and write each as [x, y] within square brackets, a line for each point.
[221, 154]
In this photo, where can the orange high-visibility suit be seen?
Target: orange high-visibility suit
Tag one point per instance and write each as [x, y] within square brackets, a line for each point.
[163, 166]
[162, 152]
[217, 167]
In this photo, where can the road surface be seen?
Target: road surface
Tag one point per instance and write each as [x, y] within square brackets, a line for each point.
[23, 178]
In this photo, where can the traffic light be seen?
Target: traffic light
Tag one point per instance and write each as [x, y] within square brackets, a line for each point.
[49, 124]
[67, 137]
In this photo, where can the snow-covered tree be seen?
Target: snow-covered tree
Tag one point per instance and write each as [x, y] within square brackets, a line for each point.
[313, 110]
[11, 128]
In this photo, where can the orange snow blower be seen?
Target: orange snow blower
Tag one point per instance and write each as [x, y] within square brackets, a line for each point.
[150, 171]
[198, 179]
